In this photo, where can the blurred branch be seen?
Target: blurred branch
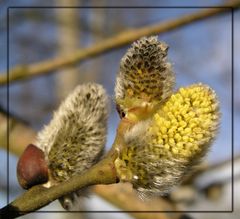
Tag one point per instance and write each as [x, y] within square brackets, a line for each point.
[211, 175]
[68, 38]
[208, 181]
[26, 71]
[123, 196]
[20, 135]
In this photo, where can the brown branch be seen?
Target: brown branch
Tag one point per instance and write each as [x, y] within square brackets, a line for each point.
[39, 196]
[20, 135]
[23, 134]
[123, 196]
[25, 71]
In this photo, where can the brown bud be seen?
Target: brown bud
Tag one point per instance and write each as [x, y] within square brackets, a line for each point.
[32, 168]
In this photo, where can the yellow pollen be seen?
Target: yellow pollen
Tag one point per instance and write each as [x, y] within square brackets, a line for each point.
[185, 121]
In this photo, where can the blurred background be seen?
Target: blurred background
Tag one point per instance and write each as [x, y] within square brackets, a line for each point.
[200, 52]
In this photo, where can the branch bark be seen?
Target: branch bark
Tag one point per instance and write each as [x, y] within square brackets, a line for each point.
[26, 71]
[39, 196]
[114, 194]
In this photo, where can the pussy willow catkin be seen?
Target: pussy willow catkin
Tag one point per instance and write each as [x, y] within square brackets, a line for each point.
[74, 139]
[158, 152]
[145, 74]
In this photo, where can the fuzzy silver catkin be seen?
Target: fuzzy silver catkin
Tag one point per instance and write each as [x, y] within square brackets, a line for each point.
[74, 140]
[145, 72]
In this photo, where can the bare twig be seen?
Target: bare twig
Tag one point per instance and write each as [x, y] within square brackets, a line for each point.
[113, 194]
[39, 196]
[45, 67]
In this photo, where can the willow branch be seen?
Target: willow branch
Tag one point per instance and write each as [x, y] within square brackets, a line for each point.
[39, 196]
[45, 67]
[23, 134]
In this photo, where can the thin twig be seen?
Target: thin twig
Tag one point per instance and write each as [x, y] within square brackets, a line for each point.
[24, 135]
[39, 196]
[26, 71]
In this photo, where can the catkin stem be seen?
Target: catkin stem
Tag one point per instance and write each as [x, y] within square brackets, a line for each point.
[39, 196]
[103, 172]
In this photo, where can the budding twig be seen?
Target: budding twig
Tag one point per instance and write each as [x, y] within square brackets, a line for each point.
[45, 67]
[113, 194]
[39, 196]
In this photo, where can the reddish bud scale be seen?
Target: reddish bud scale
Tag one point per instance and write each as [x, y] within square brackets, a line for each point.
[32, 168]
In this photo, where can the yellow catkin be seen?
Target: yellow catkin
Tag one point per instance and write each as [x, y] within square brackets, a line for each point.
[188, 126]
[175, 139]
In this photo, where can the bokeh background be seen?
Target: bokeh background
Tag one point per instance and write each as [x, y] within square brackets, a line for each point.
[200, 52]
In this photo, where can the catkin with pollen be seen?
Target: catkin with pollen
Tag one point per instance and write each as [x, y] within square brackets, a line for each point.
[160, 151]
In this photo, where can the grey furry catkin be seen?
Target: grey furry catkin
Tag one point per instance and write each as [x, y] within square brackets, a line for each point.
[145, 74]
[75, 138]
